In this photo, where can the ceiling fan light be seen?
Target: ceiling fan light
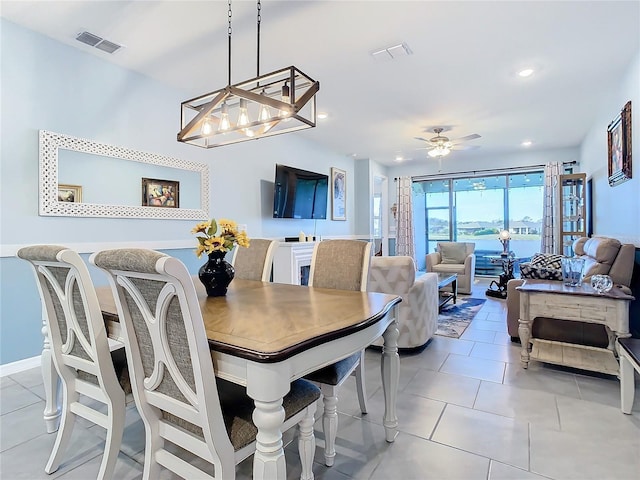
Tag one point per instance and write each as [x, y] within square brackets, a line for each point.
[439, 151]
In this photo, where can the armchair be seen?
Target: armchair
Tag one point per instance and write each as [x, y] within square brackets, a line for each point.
[602, 255]
[455, 257]
[418, 311]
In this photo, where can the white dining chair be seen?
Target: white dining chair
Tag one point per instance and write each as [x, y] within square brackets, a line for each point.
[343, 265]
[80, 349]
[254, 262]
[180, 400]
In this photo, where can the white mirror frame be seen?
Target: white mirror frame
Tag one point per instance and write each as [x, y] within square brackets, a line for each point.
[51, 143]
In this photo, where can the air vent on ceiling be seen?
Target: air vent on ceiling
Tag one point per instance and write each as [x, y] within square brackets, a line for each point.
[392, 52]
[98, 42]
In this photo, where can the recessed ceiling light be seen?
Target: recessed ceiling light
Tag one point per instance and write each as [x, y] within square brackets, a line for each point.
[399, 158]
[526, 143]
[322, 115]
[526, 72]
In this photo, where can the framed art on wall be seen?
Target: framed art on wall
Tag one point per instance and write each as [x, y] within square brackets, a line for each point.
[619, 147]
[69, 193]
[160, 193]
[339, 194]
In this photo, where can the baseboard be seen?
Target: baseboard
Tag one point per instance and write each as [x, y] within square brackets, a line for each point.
[19, 366]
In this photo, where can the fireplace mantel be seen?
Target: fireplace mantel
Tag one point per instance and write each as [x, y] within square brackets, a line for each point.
[289, 261]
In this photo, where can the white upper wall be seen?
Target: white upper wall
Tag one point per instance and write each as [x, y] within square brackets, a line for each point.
[616, 210]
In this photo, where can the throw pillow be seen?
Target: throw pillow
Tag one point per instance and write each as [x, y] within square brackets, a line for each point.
[453, 252]
[550, 261]
[528, 270]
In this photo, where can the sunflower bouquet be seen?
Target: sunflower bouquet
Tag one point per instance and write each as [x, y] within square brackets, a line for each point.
[220, 236]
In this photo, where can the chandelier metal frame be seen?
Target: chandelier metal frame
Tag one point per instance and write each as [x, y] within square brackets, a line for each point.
[278, 102]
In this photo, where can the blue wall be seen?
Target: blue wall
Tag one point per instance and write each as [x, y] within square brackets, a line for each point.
[47, 85]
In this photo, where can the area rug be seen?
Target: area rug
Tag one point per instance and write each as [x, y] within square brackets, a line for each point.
[454, 319]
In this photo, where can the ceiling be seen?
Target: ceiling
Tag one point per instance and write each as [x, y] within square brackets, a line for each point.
[461, 74]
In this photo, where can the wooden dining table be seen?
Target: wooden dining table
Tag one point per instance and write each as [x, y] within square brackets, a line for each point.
[265, 335]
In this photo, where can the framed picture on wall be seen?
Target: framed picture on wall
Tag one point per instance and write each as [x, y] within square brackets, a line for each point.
[338, 194]
[69, 193]
[160, 193]
[619, 147]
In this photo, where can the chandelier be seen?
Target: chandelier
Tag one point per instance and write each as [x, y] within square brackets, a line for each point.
[282, 101]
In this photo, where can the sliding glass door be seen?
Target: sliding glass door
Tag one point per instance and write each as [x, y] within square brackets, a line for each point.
[476, 209]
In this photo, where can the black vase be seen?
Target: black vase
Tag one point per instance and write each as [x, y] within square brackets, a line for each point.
[216, 274]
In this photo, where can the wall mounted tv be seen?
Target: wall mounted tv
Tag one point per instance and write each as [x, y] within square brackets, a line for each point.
[299, 193]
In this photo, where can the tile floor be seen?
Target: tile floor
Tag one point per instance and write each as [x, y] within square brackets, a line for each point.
[466, 408]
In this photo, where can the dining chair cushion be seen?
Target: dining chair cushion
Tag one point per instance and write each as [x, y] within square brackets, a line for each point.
[334, 373]
[453, 252]
[237, 409]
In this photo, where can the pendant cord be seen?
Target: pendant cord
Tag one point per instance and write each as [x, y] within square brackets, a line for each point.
[229, 42]
[258, 46]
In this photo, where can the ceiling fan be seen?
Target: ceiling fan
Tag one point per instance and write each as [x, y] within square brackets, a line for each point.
[440, 146]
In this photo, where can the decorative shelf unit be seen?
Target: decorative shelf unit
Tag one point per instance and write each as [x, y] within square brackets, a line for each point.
[572, 210]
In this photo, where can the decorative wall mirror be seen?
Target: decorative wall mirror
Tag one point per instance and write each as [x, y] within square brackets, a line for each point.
[110, 179]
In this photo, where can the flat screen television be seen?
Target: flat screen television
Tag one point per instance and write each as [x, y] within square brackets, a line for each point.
[299, 193]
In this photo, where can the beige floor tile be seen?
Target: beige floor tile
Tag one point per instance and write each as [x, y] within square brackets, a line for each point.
[474, 367]
[476, 335]
[479, 324]
[500, 471]
[450, 345]
[568, 455]
[444, 387]
[492, 436]
[499, 353]
[15, 397]
[526, 405]
[539, 377]
[417, 415]
[410, 458]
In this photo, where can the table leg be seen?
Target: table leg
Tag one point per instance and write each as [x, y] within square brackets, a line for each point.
[267, 389]
[390, 368]
[454, 289]
[627, 385]
[50, 379]
[524, 332]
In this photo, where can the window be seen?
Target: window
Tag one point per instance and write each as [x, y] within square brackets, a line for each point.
[475, 209]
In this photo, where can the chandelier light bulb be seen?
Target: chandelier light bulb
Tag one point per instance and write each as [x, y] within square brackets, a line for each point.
[243, 116]
[224, 118]
[207, 126]
[264, 113]
[286, 98]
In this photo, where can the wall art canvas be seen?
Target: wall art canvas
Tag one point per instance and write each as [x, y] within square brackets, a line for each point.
[339, 194]
[619, 147]
[160, 193]
[69, 193]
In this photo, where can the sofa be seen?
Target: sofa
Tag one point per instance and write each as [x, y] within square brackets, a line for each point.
[602, 255]
[418, 311]
[454, 257]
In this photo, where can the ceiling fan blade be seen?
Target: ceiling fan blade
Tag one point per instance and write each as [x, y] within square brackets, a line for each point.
[422, 139]
[473, 136]
[464, 147]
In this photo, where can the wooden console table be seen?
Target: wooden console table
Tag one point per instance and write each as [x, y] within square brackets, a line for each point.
[540, 298]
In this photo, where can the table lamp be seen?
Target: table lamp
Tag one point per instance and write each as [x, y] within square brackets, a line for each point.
[504, 236]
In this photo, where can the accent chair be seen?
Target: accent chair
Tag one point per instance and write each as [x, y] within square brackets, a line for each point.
[418, 311]
[454, 257]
